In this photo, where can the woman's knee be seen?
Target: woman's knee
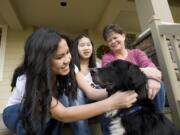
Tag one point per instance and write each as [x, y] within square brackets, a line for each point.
[11, 116]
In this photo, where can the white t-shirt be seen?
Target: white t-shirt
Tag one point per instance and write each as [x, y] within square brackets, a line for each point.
[88, 75]
[18, 91]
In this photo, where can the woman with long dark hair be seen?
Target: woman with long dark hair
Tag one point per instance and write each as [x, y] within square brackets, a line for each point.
[83, 56]
[44, 77]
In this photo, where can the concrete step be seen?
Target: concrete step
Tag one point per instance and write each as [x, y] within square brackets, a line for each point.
[94, 126]
[167, 113]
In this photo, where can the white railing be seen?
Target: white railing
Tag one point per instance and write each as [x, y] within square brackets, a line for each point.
[167, 44]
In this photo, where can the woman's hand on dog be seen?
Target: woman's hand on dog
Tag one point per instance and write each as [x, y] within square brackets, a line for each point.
[153, 88]
[152, 72]
[121, 100]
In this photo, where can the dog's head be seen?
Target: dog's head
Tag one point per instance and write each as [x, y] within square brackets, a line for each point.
[121, 75]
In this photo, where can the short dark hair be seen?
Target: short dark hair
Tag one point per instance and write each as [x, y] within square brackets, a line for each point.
[112, 28]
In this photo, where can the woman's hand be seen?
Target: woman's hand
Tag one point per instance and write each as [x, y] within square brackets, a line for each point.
[152, 72]
[122, 99]
[153, 88]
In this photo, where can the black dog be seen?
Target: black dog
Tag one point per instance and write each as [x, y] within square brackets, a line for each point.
[141, 119]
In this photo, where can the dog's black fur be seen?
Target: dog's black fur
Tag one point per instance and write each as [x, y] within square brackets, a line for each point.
[122, 75]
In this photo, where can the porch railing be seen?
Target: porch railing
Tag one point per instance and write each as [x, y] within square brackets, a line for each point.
[161, 42]
[167, 44]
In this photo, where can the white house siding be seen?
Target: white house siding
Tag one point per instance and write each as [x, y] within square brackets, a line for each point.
[13, 57]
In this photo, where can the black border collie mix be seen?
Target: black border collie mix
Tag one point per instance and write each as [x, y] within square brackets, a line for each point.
[141, 119]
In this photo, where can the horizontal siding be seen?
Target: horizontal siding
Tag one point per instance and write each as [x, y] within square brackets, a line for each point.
[13, 57]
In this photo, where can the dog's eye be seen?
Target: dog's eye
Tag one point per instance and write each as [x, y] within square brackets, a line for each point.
[108, 85]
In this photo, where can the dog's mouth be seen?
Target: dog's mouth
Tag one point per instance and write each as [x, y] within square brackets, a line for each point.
[105, 85]
[98, 80]
[95, 77]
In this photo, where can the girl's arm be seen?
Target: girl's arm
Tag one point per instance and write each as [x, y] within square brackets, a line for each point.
[74, 113]
[92, 93]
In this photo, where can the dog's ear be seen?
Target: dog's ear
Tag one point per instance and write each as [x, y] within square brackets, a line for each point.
[138, 80]
[136, 75]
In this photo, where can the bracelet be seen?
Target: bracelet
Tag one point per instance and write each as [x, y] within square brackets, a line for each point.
[154, 79]
[54, 105]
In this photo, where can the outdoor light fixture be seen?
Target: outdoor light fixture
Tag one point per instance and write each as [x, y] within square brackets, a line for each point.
[63, 3]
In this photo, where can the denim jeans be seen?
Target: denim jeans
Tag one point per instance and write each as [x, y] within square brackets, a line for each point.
[13, 121]
[80, 127]
[11, 118]
[160, 98]
[104, 123]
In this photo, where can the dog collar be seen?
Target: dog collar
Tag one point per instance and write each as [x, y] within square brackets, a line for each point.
[134, 109]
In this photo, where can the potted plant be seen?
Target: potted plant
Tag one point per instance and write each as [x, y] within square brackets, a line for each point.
[101, 50]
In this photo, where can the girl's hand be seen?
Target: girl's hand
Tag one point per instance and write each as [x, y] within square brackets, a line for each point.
[122, 99]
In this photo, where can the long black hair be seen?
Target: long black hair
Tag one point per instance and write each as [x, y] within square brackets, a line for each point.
[75, 53]
[39, 50]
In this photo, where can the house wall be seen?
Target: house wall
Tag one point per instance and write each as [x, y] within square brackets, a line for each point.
[13, 56]
[97, 38]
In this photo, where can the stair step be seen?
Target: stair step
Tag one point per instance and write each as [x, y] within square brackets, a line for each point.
[94, 125]
[167, 113]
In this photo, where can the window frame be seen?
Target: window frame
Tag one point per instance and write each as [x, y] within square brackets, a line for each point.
[2, 48]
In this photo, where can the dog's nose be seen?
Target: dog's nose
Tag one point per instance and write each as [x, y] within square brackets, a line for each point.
[93, 71]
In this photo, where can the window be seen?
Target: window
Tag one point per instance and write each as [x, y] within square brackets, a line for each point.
[3, 34]
[130, 38]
